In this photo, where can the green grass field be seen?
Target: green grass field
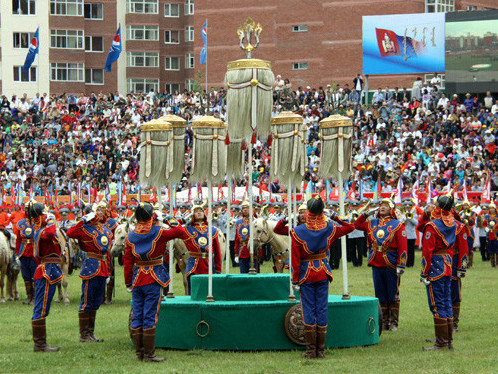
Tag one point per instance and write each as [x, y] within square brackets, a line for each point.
[464, 62]
[398, 352]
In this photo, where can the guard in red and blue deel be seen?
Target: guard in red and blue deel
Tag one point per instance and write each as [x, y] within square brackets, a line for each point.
[47, 251]
[460, 262]
[197, 244]
[311, 271]
[466, 217]
[24, 230]
[440, 235]
[94, 238]
[242, 232]
[490, 224]
[145, 274]
[387, 257]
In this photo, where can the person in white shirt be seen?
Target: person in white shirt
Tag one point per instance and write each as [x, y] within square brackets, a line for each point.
[36, 100]
[135, 118]
[494, 108]
[436, 81]
[360, 157]
[488, 138]
[382, 157]
[279, 83]
[23, 106]
[443, 102]
[313, 159]
[488, 100]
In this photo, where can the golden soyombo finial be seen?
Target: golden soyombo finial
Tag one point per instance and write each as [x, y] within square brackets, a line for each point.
[246, 32]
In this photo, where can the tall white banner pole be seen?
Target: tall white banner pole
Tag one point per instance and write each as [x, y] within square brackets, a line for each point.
[345, 294]
[210, 297]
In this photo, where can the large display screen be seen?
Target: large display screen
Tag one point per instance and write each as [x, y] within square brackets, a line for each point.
[403, 43]
[472, 51]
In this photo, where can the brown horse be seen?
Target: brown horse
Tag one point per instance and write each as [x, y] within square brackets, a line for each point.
[68, 248]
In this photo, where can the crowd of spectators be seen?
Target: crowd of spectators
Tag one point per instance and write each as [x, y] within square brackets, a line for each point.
[60, 142]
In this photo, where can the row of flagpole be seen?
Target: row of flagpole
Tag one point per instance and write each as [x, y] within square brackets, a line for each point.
[34, 49]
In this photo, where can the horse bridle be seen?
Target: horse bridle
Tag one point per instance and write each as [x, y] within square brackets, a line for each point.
[268, 234]
[271, 236]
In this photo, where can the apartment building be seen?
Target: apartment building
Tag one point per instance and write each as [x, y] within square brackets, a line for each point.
[75, 37]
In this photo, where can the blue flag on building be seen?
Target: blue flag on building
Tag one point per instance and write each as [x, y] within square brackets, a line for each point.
[32, 51]
[204, 50]
[115, 50]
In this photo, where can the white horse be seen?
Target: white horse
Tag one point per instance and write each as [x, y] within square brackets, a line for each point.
[5, 254]
[263, 229]
[180, 250]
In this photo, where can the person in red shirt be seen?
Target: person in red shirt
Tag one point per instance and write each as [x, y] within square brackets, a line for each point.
[311, 271]
[17, 215]
[242, 232]
[94, 238]
[4, 217]
[145, 274]
[387, 257]
[47, 251]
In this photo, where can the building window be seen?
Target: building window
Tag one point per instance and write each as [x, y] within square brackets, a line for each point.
[70, 39]
[94, 43]
[172, 10]
[142, 32]
[300, 66]
[189, 7]
[300, 28]
[142, 85]
[94, 76]
[171, 37]
[143, 6]
[436, 6]
[471, 7]
[172, 87]
[24, 76]
[189, 33]
[172, 63]
[189, 61]
[22, 39]
[94, 11]
[24, 7]
[189, 84]
[67, 72]
[143, 59]
[66, 7]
